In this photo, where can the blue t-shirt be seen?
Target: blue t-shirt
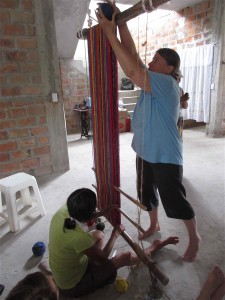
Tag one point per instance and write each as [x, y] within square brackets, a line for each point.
[156, 138]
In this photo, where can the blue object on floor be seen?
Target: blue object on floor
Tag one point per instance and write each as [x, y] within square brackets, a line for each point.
[38, 248]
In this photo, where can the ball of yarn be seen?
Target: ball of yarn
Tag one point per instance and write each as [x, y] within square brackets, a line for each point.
[100, 226]
[121, 284]
[38, 248]
[107, 10]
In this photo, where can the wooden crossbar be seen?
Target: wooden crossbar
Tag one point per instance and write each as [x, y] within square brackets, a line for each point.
[128, 14]
[152, 266]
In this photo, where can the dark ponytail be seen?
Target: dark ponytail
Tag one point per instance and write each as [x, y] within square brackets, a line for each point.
[69, 223]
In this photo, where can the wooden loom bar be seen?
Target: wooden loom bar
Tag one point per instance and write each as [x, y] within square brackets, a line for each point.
[126, 195]
[140, 252]
[145, 259]
[128, 14]
[134, 223]
[136, 10]
[130, 198]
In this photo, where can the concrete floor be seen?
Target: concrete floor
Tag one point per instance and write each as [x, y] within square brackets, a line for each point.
[204, 180]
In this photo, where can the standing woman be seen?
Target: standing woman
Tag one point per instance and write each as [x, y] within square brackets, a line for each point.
[156, 139]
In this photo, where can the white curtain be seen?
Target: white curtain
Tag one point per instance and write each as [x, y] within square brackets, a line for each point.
[196, 68]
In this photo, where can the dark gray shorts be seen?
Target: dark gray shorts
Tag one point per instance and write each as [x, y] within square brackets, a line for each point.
[164, 180]
[96, 276]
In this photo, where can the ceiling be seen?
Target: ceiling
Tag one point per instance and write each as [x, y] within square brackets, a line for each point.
[70, 16]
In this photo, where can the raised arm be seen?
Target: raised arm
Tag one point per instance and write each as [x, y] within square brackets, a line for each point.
[125, 50]
[100, 255]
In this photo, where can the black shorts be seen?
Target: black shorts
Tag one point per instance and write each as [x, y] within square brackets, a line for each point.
[164, 180]
[96, 276]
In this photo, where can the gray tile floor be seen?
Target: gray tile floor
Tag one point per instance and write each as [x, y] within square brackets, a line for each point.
[204, 180]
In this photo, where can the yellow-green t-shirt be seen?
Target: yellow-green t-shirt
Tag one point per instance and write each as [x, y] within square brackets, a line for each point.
[67, 261]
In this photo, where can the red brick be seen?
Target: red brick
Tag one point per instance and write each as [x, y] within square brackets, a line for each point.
[27, 4]
[31, 90]
[19, 79]
[3, 80]
[29, 67]
[28, 43]
[12, 167]
[22, 17]
[17, 112]
[30, 163]
[15, 91]
[2, 115]
[4, 157]
[4, 16]
[3, 135]
[42, 120]
[9, 4]
[27, 122]
[9, 68]
[16, 55]
[14, 29]
[41, 150]
[23, 102]
[7, 124]
[43, 140]
[27, 143]
[6, 43]
[18, 133]
[200, 44]
[8, 146]
[36, 110]
[39, 130]
[197, 36]
[18, 155]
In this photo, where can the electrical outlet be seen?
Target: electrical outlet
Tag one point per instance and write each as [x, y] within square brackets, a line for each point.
[54, 97]
[212, 86]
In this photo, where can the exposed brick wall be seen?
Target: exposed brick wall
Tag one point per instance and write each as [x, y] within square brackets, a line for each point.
[75, 89]
[190, 27]
[24, 141]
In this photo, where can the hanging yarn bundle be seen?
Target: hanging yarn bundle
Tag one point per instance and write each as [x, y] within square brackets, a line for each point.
[104, 96]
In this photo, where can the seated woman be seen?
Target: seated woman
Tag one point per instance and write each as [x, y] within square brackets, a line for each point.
[78, 259]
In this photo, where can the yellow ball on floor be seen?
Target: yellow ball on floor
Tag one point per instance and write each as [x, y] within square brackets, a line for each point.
[121, 284]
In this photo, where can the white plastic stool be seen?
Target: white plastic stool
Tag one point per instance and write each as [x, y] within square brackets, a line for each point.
[9, 186]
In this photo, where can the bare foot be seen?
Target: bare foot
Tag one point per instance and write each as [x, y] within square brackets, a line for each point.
[192, 249]
[219, 292]
[158, 244]
[149, 232]
[214, 285]
[123, 259]
[44, 267]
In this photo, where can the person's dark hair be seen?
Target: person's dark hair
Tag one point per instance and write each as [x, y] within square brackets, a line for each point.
[81, 204]
[69, 223]
[172, 58]
[34, 286]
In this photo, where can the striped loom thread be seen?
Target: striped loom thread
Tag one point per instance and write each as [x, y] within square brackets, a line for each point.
[104, 112]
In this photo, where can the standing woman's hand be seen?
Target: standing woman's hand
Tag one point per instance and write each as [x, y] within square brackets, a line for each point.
[109, 27]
